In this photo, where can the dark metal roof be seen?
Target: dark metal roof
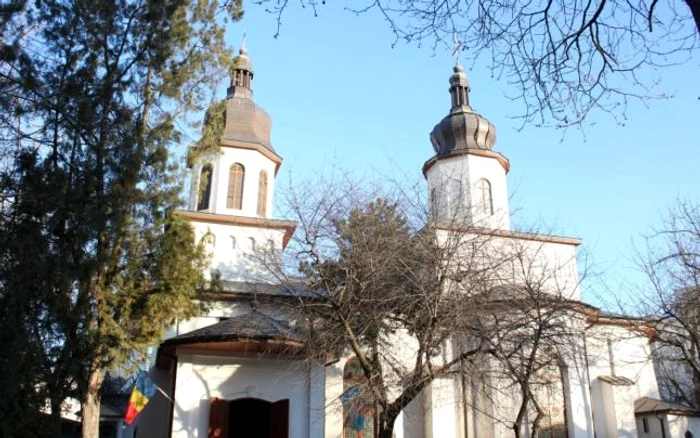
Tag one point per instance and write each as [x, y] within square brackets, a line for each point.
[266, 289]
[247, 122]
[462, 129]
[648, 405]
[617, 380]
[252, 326]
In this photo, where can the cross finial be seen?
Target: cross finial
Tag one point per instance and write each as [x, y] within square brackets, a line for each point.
[457, 48]
[244, 49]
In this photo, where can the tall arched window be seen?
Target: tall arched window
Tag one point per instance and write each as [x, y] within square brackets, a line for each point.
[483, 196]
[204, 188]
[433, 204]
[236, 175]
[358, 412]
[550, 392]
[262, 194]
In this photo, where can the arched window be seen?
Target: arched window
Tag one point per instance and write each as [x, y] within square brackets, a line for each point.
[234, 198]
[204, 188]
[262, 194]
[358, 412]
[253, 247]
[550, 392]
[483, 196]
[233, 242]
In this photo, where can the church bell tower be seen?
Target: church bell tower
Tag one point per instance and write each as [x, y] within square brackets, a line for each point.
[232, 187]
[466, 177]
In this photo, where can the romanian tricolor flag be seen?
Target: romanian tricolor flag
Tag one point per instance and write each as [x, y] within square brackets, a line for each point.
[144, 388]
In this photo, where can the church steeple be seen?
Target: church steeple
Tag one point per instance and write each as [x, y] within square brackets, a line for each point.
[238, 180]
[459, 89]
[241, 74]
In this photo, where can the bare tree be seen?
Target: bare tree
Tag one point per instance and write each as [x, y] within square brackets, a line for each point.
[566, 58]
[671, 261]
[415, 300]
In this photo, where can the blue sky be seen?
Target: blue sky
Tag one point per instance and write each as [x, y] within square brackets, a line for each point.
[338, 93]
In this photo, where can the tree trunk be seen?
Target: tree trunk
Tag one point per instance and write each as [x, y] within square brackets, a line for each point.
[386, 432]
[696, 388]
[55, 419]
[91, 404]
[386, 425]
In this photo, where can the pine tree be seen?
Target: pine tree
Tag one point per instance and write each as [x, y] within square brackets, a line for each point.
[96, 262]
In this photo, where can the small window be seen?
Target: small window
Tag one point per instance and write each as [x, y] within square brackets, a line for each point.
[262, 194]
[270, 245]
[645, 424]
[252, 244]
[233, 242]
[204, 188]
[433, 204]
[663, 429]
[483, 195]
[234, 197]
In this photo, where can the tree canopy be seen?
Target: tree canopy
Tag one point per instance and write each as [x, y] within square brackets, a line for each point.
[414, 300]
[96, 262]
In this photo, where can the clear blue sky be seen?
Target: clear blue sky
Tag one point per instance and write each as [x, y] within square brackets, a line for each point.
[337, 92]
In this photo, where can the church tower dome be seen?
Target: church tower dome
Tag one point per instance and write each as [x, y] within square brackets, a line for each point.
[462, 129]
[245, 121]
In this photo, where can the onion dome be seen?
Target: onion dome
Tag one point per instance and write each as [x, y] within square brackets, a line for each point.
[245, 121]
[462, 129]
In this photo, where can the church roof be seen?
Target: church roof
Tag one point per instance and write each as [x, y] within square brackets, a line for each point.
[463, 129]
[245, 121]
[252, 326]
[648, 405]
[277, 290]
[617, 380]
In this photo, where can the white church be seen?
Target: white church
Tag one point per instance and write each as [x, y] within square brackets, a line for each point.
[230, 373]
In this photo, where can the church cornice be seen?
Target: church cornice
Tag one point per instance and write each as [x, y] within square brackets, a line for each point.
[478, 152]
[511, 234]
[238, 144]
[244, 221]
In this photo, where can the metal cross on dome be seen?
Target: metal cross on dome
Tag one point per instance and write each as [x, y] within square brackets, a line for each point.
[457, 47]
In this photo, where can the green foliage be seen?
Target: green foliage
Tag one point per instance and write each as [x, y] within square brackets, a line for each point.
[212, 131]
[96, 263]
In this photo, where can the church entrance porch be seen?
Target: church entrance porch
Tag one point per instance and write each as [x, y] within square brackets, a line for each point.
[248, 418]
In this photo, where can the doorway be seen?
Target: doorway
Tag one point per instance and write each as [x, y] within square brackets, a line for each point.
[248, 418]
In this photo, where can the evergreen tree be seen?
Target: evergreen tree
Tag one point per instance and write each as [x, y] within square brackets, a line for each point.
[96, 263]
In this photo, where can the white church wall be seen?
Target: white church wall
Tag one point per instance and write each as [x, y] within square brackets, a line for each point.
[656, 426]
[678, 425]
[333, 406]
[621, 352]
[253, 162]
[514, 260]
[200, 378]
[237, 251]
[443, 409]
[458, 200]
[578, 398]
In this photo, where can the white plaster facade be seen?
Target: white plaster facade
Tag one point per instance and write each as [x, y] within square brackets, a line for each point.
[606, 371]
